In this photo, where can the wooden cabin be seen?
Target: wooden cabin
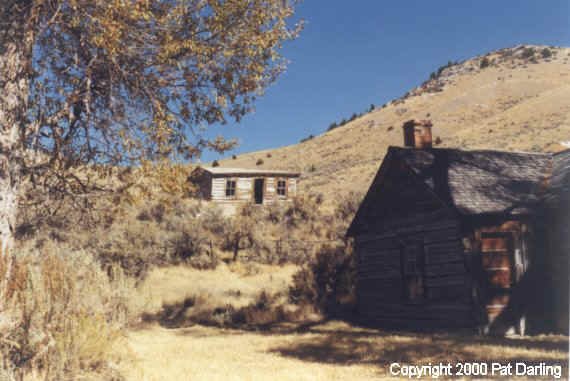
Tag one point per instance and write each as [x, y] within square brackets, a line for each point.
[468, 239]
[231, 187]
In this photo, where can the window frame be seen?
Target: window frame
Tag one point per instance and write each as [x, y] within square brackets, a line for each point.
[413, 272]
[231, 195]
[285, 188]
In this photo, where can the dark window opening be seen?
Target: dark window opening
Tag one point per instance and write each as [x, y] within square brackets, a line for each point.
[258, 189]
[413, 263]
[282, 188]
[230, 188]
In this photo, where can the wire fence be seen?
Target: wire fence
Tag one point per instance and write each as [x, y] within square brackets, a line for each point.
[300, 250]
[275, 250]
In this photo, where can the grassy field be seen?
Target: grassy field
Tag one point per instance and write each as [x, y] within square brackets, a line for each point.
[318, 350]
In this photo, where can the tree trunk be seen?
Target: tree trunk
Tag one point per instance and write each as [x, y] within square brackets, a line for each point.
[16, 41]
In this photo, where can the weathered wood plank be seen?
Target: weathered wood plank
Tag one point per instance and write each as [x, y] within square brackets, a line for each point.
[452, 280]
[445, 269]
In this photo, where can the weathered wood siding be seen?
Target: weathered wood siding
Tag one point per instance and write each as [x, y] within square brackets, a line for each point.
[402, 213]
[557, 240]
[245, 189]
[270, 193]
[380, 281]
[558, 244]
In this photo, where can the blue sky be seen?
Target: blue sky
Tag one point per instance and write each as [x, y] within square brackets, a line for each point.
[355, 53]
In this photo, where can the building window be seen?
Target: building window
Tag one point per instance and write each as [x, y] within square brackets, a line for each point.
[230, 188]
[282, 188]
[413, 262]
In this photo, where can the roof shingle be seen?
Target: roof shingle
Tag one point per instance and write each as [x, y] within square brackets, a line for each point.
[481, 182]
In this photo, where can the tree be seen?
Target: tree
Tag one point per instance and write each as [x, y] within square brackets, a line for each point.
[242, 229]
[125, 82]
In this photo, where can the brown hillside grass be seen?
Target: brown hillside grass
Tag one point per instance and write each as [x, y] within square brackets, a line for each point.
[517, 104]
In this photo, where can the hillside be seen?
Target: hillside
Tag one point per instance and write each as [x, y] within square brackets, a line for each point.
[514, 99]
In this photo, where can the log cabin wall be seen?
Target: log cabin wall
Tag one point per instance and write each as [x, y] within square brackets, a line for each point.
[557, 240]
[411, 270]
[557, 244]
[414, 275]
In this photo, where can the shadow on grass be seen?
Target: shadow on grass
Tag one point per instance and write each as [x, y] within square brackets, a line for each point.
[343, 343]
[381, 348]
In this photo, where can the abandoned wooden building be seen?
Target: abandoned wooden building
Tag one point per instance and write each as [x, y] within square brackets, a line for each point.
[474, 239]
[231, 187]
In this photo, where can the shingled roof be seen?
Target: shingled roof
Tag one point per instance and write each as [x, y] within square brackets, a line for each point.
[225, 171]
[481, 182]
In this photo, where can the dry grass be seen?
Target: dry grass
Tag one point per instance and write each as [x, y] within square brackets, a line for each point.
[61, 316]
[237, 284]
[331, 351]
[313, 351]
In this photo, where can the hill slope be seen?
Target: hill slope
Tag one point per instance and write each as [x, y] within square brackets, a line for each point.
[517, 100]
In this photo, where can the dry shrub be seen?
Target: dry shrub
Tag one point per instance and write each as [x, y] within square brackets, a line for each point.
[169, 232]
[274, 212]
[61, 316]
[270, 309]
[174, 231]
[262, 312]
[134, 246]
[327, 282]
[289, 232]
[243, 231]
[348, 206]
[203, 262]
[303, 211]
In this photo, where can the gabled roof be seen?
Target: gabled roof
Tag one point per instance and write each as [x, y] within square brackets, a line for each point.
[482, 182]
[224, 171]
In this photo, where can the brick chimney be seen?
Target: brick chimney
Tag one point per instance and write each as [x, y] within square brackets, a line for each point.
[417, 134]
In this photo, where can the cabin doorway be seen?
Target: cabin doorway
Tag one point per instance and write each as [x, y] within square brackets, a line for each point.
[502, 265]
[258, 188]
